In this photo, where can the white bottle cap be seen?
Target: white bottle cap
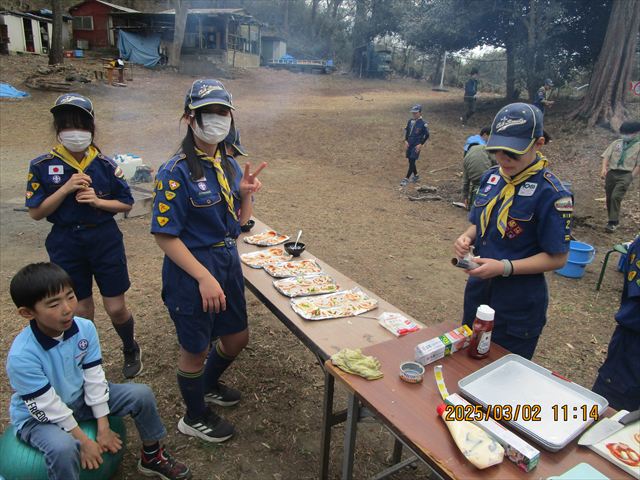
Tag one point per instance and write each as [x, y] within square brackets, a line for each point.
[485, 312]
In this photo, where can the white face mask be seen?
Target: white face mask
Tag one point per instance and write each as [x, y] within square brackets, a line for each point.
[214, 129]
[75, 141]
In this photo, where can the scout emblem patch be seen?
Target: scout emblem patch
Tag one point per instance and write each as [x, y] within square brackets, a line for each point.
[118, 172]
[202, 186]
[169, 195]
[35, 186]
[513, 229]
[29, 177]
[162, 221]
[56, 169]
[173, 185]
[56, 179]
[527, 189]
[565, 204]
[487, 188]
[29, 194]
[163, 207]
[493, 179]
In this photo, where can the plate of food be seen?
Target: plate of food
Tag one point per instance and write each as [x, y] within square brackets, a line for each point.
[261, 258]
[334, 305]
[292, 269]
[268, 238]
[313, 284]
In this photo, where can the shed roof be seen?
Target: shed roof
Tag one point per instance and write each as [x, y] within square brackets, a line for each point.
[210, 11]
[108, 4]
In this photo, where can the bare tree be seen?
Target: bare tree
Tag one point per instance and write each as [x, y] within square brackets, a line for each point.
[604, 101]
[182, 10]
[55, 52]
[314, 13]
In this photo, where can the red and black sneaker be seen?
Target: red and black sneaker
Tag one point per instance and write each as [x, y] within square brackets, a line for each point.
[163, 465]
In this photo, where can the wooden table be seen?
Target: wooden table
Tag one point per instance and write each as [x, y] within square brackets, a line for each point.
[323, 338]
[409, 411]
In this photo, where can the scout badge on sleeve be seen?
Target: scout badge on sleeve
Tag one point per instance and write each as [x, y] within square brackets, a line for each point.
[564, 204]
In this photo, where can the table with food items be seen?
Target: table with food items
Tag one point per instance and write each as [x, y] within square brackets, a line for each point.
[507, 416]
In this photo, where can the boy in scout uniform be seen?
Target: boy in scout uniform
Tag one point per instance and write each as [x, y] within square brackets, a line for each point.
[620, 165]
[416, 134]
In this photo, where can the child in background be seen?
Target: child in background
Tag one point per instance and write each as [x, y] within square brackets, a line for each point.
[416, 134]
[55, 368]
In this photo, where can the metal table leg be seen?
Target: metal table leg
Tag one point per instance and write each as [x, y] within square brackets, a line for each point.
[327, 414]
[350, 432]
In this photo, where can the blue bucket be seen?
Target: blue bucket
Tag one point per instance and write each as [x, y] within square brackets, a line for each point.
[580, 255]
[78, 53]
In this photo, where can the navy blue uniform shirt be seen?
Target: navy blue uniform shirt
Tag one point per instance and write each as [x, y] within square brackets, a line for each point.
[194, 210]
[48, 173]
[416, 132]
[471, 88]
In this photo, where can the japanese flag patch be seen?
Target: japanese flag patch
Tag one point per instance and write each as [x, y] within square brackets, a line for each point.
[564, 204]
[56, 169]
[493, 179]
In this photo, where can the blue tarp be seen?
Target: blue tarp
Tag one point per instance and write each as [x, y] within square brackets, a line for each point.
[139, 49]
[7, 91]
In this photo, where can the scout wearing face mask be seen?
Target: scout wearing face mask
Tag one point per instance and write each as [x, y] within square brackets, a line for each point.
[75, 140]
[214, 128]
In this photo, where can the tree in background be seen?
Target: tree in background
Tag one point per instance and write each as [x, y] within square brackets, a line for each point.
[605, 98]
[55, 53]
[182, 11]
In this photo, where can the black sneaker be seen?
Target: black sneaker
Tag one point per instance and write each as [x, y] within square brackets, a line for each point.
[132, 362]
[223, 396]
[210, 427]
[163, 465]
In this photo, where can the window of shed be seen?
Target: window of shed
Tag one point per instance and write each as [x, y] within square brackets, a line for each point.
[83, 23]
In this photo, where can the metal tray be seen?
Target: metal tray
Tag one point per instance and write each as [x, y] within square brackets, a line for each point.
[330, 285]
[513, 380]
[324, 310]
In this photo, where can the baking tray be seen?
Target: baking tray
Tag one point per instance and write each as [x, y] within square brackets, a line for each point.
[292, 268]
[275, 239]
[328, 285]
[322, 307]
[260, 258]
[514, 380]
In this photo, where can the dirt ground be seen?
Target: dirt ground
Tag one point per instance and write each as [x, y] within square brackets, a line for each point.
[334, 147]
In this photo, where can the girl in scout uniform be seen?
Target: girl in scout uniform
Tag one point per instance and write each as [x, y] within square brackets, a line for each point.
[201, 199]
[521, 221]
[79, 190]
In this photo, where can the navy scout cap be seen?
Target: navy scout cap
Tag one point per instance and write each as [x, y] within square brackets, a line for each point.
[73, 100]
[207, 92]
[416, 108]
[515, 128]
[233, 139]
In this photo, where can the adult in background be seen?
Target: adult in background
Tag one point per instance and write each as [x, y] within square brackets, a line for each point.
[520, 227]
[202, 196]
[480, 139]
[619, 377]
[470, 91]
[620, 165]
[543, 94]
[79, 190]
[476, 162]
[416, 134]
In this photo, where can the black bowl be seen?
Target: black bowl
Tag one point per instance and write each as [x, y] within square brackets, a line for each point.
[247, 226]
[289, 247]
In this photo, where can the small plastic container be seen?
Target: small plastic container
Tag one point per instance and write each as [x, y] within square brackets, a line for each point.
[482, 328]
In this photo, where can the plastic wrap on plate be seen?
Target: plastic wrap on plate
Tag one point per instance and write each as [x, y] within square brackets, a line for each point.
[292, 269]
[261, 258]
[267, 238]
[334, 305]
[312, 284]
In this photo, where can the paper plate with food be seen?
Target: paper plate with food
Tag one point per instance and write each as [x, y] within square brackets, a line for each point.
[312, 284]
[334, 305]
[261, 258]
[292, 268]
[267, 238]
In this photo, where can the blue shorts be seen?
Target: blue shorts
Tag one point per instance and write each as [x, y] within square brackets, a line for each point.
[85, 252]
[181, 295]
[520, 303]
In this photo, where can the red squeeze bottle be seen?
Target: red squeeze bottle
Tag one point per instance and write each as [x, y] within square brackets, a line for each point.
[482, 327]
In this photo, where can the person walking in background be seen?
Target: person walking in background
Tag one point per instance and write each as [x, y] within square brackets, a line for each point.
[79, 190]
[470, 91]
[543, 94]
[620, 165]
[416, 134]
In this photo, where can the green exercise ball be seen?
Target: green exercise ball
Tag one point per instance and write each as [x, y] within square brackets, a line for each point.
[19, 461]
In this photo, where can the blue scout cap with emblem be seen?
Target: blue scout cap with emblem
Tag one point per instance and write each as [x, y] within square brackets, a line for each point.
[515, 128]
[207, 92]
[548, 82]
[233, 139]
[73, 100]
[416, 108]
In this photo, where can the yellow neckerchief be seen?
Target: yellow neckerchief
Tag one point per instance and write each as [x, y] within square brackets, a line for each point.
[66, 156]
[507, 193]
[216, 161]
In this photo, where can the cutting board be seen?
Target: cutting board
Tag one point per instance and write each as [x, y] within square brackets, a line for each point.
[626, 435]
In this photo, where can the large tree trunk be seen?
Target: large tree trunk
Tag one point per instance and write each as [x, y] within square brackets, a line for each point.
[358, 36]
[55, 53]
[604, 100]
[182, 10]
[285, 18]
[511, 71]
[314, 13]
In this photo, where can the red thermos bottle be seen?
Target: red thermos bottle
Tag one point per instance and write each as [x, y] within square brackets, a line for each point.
[482, 327]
